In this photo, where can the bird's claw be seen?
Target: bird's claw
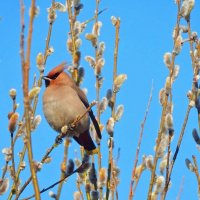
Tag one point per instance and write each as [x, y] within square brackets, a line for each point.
[58, 140]
[71, 127]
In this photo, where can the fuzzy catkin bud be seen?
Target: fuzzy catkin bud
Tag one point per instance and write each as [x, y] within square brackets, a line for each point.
[110, 126]
[161, 96]
[91, 61]
[163, 165]
[114, 20]
[51, 15]
[119, 112]
[186, 8]
[175, 72]
[77, 195]
[37, 120]
[178, 45]
[33, 92]
[59, 6]
[103, 105]
[96, 28]
[13, 122]
[13, 93]
[101, 49]
[167, 59]
[40, 62]
[50, 50]
[22, 165]
[4, 185]
[92, 38]
[168, 85]
[160, 180]
[169, 121]
[98, 67]
[102, 176]
[149, 162]
[119, 80]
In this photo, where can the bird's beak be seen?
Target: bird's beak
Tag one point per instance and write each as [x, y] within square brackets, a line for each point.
[46, 78]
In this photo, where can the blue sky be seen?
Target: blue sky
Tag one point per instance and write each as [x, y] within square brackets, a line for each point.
[145, 35]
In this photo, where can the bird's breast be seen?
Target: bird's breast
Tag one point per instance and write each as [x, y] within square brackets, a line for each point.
[61, 106]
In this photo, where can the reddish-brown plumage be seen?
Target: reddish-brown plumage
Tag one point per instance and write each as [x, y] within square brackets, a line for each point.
[63, 101]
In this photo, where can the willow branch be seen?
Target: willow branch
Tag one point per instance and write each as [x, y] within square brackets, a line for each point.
[178, 144]
[117, 27]
[156, 157]
[63, 164]
[196, 171]
[131, 194]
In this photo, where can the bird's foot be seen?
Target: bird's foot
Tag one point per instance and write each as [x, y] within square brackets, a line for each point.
[72, 127]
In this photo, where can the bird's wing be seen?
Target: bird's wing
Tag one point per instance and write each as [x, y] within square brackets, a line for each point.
[91, 114]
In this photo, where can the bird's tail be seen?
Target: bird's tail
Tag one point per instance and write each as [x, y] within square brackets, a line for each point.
[85, 140]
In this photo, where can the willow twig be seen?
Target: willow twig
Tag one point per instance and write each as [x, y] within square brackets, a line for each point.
[117, 27]
[181, 189]
[131, 194]
[178, 144]
[61, 180]
[196, 171]
[162, 122]
[63, 163]
[25, 71]
[163, 195]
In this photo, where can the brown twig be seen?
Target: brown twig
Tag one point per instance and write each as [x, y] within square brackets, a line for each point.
[13, 164]
[163, 195]
[178, 144]
[196, 171]
[181, 189]
[45, 59]
[63, 163]
[117, 28]
[164, 110]
[131, 194]
[25, 71]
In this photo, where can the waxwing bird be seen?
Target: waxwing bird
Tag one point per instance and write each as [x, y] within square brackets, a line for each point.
[63, 102]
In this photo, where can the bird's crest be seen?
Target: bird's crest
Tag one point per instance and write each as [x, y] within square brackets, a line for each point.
[57, 70]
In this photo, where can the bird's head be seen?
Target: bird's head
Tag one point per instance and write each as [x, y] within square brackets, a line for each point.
[55, 74]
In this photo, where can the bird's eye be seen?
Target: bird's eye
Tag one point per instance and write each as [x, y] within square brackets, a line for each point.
[55, 76]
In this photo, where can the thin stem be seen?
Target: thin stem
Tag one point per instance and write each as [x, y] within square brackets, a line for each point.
[30, 178]
[138, 177]
[196, 171]
[18, 171]
[178, 144]
[117, 27]
[45, 59]
[156, 157]
[163, 195]
[77, 170]
[64, 162]
[13, 164]
[131, 194]
[110, 160]
[25, 70]
[181, 189]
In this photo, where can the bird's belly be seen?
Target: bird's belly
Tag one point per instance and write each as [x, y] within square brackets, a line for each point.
[63, 111]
